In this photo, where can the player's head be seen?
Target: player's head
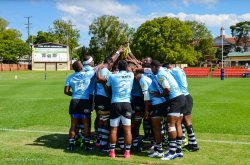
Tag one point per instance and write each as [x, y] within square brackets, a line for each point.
[137, 76]
[167, 65]
[155, 65]
[146, 62]
[122, 65]
[115, 69]
[109, 62]
[77, 66]
[88, 60]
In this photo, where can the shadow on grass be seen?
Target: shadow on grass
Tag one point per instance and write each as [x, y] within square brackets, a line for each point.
[60, 141]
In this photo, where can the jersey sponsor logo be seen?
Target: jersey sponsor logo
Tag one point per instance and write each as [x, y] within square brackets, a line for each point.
[161, 80]
[86, 111]
[101, 107]
[128, 114]
[142, 86]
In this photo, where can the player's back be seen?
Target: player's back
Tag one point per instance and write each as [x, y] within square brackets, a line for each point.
[121, 85]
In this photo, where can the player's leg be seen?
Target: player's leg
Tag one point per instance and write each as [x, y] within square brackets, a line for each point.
[187, 121]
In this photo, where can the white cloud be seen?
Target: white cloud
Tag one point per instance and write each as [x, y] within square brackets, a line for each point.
[187, 2]
[213, 20]
[74, 10]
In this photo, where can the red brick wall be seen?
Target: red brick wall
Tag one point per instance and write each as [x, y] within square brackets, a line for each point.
[13, 67]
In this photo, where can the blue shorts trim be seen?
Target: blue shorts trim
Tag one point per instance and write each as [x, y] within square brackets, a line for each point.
[80, 116]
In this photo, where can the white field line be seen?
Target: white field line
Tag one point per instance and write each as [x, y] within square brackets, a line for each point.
[38, 131]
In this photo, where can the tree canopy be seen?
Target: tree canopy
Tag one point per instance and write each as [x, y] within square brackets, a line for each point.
[241, 32]
[64, 33]
[11, 45]
[202, 40]
[107, 34]
[165, 39]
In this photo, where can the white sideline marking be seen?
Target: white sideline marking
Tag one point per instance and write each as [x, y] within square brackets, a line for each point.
[223, 141]
[37, 131]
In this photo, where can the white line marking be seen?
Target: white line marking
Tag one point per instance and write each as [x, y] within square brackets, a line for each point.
[38, 131]
[223, 141]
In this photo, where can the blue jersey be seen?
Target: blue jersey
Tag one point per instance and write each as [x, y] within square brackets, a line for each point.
[147, 84]
[180, 77]
[121, 85]
[136, 90]
[79, 83]
[166, 80]
[93, 82]
[99, 86]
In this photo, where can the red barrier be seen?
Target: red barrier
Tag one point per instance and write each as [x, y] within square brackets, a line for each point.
[13, 67]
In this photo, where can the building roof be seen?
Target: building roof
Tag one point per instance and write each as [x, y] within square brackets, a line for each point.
[226, 41]
[238, 54]
[230, 40]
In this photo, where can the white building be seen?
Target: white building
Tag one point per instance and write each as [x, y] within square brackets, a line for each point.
[49, 56]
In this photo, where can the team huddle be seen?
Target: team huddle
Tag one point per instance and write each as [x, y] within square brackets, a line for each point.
[124, 98]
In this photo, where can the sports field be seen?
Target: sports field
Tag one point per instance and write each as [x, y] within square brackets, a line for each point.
[34, 122]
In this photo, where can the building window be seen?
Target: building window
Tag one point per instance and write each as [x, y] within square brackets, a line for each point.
[43, 55]
[54, 55]
[48, 55]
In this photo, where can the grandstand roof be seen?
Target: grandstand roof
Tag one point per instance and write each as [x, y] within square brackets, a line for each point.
[238, 54]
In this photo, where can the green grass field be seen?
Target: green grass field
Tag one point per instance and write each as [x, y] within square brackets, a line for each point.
[34, 122]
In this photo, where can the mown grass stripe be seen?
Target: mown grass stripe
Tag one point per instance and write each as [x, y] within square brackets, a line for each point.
[51, 132]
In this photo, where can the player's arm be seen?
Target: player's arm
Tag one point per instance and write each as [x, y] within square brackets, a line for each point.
[147, 105]
[144, 86]
[108, 87]
[108, 90]
[67, 91]
[165, 85]
[99, 77]
[117, 54]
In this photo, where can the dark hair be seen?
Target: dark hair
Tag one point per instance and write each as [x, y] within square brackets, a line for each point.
[122, 65]
[108, 60]
[77, 66]
[86, 57]
[115, 67]
[155, 63]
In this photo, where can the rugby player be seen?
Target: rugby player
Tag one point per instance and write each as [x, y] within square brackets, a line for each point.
[77, 86]
[121, 85]
[176, 102]
[181, 79]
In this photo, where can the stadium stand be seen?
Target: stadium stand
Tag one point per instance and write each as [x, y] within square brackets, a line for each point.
[229, 72]
[197, 72]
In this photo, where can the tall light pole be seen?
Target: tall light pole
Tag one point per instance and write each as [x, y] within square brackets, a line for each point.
[222, 33]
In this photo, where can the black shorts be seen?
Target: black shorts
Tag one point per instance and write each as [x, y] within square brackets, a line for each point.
[188, 104]
[177, 105]
[158, 110]
[121, 109]
[79, 106]
[137, 104]
[102, 103]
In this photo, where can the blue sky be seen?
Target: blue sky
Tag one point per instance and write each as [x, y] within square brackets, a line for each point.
[214, 13]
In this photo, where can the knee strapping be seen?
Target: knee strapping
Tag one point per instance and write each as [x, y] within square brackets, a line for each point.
[171, 129]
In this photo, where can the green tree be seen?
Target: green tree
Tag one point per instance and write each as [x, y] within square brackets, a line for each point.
[202, 40]
[3, 24]
[241, 32]
[65, 33]
[11, 50]
[11, 45]
[165, 39]
[42, 37]
[107, 34]
[81, 51]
